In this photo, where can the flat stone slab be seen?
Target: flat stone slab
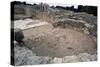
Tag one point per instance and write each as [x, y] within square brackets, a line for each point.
[28, 23]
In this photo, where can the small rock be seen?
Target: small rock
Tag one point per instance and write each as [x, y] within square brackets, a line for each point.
[56, 60]
[84, 57]
[69, 59]
[87, 25]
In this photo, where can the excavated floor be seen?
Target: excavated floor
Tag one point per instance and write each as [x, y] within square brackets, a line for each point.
[57, 42]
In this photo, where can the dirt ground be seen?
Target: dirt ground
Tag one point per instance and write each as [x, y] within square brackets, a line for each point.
[58, 42]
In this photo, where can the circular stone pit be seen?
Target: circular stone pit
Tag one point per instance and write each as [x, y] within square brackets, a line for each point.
[63, 42]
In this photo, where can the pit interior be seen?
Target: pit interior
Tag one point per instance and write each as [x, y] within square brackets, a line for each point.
[46, 40]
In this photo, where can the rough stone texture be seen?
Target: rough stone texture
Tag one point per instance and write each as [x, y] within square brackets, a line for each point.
[24, 56]
[85, 57]
[82, 57]
[56, 60]
[78, 25]
[69, 59]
